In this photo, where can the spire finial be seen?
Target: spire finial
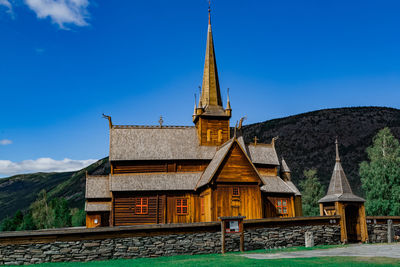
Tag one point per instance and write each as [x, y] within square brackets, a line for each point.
[337, 150]
[209, 11]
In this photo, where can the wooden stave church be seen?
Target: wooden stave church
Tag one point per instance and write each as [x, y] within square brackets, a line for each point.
[181, 174]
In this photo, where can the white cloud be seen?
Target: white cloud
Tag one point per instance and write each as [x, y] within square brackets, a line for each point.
[5, 142]
[7, 4]
[61, 12]
[8, 168]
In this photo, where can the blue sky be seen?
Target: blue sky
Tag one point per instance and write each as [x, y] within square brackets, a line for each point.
[65, 62]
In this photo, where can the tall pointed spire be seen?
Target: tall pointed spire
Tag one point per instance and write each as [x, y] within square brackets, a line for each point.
[210, 95]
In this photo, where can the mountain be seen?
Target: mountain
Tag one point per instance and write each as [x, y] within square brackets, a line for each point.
[19, 191]
[305, 141]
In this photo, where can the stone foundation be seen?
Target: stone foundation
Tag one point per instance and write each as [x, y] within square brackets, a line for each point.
[377, 233]
[165, 245]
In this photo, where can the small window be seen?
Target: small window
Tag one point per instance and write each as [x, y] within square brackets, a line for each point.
[181, 206]
[202, 207]
[208, 135]
[142, 205]
[220, 136]
[281, 206]
[235, 192]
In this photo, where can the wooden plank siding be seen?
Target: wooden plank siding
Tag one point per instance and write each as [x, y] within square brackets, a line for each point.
[248, 203]
[124, 209]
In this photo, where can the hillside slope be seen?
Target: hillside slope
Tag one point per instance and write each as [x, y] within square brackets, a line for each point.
[307, 140]
[19, 191]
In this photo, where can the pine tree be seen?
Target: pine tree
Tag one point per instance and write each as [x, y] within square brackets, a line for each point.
[380, 176]
[312, 191]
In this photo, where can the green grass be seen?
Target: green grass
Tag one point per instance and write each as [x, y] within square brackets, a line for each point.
[234, 259]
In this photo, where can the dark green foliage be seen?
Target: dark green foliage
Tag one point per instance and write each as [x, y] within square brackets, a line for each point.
[28, 223]
[380, 175]
[60, 212]
[18, 222]
[312, 191]
[78, 217]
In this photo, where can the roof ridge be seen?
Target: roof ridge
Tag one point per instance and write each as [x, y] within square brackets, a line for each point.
[151, 127]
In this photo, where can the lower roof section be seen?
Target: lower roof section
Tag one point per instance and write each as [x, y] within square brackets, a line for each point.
[155, 181]
[274, 184]
[97, 206]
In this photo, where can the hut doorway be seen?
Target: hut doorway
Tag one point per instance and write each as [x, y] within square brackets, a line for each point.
[353, 223]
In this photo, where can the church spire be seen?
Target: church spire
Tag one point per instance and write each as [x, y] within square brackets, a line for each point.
[210, 93]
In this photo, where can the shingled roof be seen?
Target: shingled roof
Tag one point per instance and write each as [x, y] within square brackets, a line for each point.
[97, 206]
[155, 181]
[97, 186]
[174, 143]
[284, 166]
[274, 184]
[263, 154]
[156, 143]
[339, 187]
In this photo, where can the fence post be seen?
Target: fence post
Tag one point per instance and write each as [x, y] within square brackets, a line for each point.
[390, 231]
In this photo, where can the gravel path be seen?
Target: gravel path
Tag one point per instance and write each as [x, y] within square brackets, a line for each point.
[366, 250]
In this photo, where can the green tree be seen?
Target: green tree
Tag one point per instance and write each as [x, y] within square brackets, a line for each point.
[78, 217]
[312, 191]
[42, 213]
[380, 175]
[27, 223]
[61, 212]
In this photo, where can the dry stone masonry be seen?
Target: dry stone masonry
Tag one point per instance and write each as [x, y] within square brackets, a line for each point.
[164, 245]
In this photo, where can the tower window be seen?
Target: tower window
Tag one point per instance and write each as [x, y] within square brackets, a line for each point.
[208, 135]
[220, 136]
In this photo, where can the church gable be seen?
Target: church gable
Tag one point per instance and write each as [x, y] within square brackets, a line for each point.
[236, 168]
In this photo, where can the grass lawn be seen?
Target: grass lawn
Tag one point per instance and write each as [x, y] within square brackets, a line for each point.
[234, 259]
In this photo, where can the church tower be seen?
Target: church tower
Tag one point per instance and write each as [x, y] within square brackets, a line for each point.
[210, 117]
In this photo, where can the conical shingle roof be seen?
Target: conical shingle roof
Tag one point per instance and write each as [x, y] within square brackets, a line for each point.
[339, 187]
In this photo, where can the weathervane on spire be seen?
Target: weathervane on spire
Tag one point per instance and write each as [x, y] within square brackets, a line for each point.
[209, 11]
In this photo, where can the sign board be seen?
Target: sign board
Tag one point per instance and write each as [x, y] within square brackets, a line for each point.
[232, 226]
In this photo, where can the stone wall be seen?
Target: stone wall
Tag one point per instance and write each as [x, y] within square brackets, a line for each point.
[165, 245]
[378, 233]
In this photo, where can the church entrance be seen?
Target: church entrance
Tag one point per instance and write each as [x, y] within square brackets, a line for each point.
[353, 223]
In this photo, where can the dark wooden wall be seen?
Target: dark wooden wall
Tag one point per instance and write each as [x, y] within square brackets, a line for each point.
[124, 209]
[120, 167]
